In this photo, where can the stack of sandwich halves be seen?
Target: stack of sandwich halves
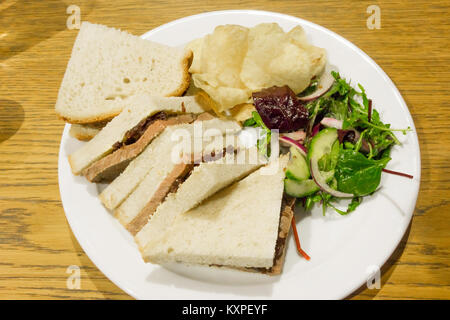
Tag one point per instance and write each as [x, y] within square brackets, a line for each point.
[179, 179]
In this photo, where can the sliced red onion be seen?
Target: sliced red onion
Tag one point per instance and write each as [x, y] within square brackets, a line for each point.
[325, 83]
[332, 123]
[299, 135]
[315, 130]
[321, 182]
[301, 148]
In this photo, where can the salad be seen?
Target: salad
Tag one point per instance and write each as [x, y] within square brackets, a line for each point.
[339, 146]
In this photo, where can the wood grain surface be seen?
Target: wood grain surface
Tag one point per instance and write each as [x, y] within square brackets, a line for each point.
[36, 243]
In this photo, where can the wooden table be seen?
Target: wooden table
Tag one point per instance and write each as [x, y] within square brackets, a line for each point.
[36, 243]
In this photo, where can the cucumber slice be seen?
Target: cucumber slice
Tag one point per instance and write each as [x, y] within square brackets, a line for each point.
[300, 189]
[297, 169]
[322, 144]
[328, 161]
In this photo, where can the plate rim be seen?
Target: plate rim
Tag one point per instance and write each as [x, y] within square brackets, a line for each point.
[87, 248]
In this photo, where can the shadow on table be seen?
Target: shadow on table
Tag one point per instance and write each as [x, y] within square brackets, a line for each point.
[425, 155]
[386, 270]
[12, 116]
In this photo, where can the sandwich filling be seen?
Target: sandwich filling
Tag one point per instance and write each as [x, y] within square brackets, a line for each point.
[134, 142]
[170, 184]
[286, 214]
[133, 135]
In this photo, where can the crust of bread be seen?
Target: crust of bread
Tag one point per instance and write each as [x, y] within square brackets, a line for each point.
[104, 117]
[83, 136]
[185, 64]
[86, 132]
[72, 167]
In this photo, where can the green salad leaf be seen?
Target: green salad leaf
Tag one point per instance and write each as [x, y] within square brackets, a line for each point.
[263, 143]
[357, 174]
[356, 201]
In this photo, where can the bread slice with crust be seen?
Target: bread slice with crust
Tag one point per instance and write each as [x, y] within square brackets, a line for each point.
[108, 66]
[138, 108]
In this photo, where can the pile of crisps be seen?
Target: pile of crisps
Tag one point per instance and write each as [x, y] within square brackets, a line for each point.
[235, 61]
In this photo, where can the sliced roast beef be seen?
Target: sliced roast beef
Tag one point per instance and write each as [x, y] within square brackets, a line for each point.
[284, 226]
[136, 140]
[170, 184]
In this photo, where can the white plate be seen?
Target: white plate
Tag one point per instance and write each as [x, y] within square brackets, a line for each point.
[343, 248]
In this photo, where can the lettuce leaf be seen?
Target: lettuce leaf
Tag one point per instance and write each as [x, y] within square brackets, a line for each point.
[357, 174]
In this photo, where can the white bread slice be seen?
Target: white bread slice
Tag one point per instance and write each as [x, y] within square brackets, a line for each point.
[158, 157]
[107, 66]
[238, 226]
[138, 108]
[205, 180]
[85, 132]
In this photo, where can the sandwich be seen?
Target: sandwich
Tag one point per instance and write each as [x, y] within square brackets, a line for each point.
[144, 117]
[243, 226]
[108, 66]
[157, 160]
[156, 201]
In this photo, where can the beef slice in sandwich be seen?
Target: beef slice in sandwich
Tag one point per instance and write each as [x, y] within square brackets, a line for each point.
[135, 141]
